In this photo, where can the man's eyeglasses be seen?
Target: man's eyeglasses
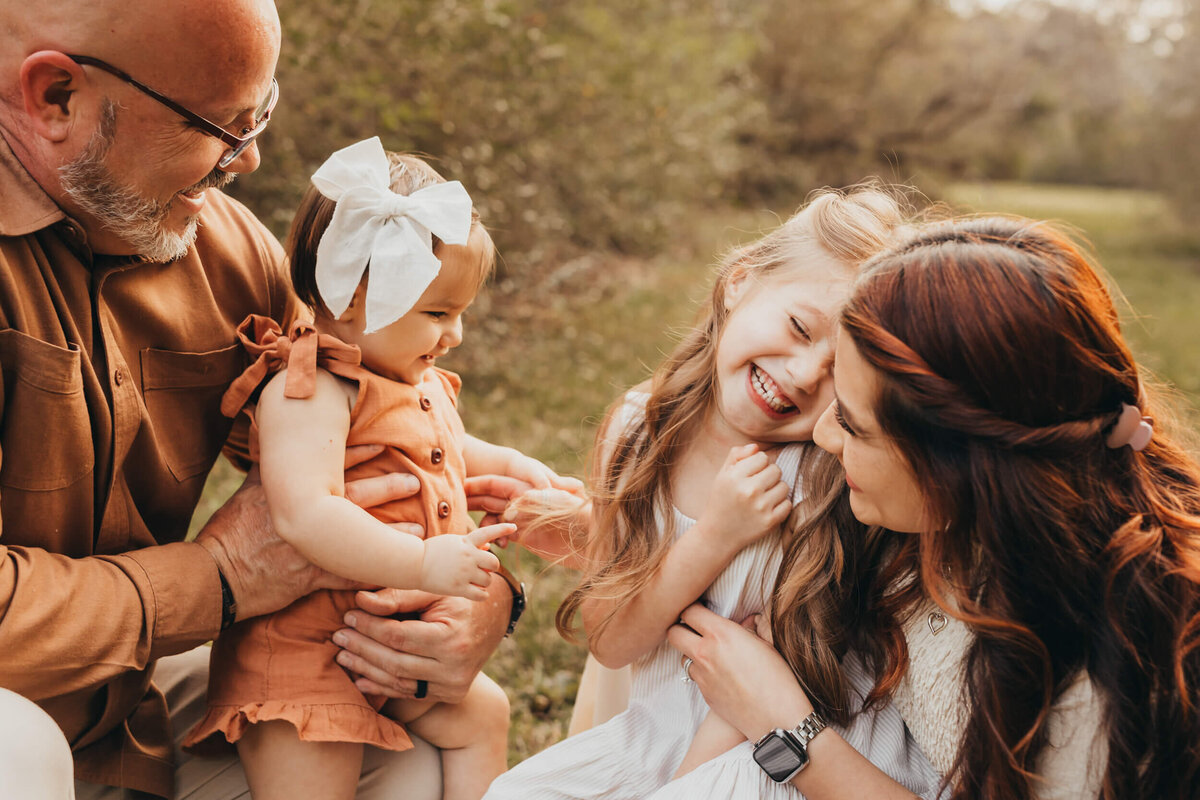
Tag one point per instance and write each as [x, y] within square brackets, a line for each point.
[237, 144]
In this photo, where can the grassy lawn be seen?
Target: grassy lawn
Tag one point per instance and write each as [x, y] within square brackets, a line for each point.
[542, 364]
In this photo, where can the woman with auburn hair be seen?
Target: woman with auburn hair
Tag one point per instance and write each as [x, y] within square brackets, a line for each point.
[1023, 574]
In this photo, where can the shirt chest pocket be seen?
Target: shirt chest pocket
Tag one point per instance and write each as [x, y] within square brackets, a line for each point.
[182, 392]
[46, 434]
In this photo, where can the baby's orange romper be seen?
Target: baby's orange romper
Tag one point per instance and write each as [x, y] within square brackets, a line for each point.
[281, 666]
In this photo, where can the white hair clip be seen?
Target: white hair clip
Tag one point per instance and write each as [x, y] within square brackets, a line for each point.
[372, 225]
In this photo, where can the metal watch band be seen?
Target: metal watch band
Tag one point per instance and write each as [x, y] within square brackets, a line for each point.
[807, 730]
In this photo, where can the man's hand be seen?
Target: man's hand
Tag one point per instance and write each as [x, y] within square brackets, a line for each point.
[446, 646]
[264, 572]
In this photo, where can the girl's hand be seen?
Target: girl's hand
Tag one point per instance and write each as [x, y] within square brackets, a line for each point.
[748, 499]
[741, 676]
[551, 523]
[760, 626]
[509, 499]
[491, 495]
[538, 475]
[461, 565]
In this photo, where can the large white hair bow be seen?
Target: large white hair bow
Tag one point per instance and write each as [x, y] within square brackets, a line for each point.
[391, 232]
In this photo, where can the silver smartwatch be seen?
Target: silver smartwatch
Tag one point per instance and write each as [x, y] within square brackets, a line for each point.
[782, 754]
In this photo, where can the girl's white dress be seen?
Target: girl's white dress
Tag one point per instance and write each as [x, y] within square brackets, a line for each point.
[634, 755]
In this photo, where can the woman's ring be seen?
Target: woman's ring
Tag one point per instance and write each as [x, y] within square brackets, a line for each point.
[422, 689]
[687, 666]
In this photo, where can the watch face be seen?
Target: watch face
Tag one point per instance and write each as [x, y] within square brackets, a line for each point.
[779, 756]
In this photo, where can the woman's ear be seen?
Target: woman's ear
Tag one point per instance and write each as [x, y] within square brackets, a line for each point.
[50, 87]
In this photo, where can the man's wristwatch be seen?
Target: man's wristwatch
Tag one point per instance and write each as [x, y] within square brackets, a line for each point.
[518, 598]
[782, 754]
[228, 603]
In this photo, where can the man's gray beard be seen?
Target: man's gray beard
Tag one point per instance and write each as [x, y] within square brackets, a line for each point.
[138, 221]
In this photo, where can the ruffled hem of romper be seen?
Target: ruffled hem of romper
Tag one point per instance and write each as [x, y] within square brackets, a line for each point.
[332, 722]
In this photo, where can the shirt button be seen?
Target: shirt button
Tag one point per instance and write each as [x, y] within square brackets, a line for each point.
[426, 404]
[443, 509]
[118, 377]
[436, 455]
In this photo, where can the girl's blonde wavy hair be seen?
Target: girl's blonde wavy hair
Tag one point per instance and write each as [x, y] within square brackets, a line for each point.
[632, 466]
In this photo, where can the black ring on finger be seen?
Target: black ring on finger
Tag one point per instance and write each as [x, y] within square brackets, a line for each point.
[422, 689]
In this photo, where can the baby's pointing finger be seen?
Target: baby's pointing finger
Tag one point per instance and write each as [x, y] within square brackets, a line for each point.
[482, 537]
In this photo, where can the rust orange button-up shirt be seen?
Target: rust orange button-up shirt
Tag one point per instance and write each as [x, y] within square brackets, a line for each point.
[111, 375]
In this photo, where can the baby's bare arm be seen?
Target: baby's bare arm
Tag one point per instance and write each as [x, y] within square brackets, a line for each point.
[302, 444]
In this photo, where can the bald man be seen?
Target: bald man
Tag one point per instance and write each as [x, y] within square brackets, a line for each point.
[123, 273]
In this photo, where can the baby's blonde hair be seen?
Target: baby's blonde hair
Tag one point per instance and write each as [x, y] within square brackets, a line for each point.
[632, 492]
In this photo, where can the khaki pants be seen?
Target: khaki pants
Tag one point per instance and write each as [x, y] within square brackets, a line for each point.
[35, 762]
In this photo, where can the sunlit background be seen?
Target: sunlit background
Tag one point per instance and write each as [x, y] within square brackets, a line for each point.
[615, 148]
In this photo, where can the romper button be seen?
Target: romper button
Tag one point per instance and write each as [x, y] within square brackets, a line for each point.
[436, 455]
[118, 377]
[443, 509]
[426, 404]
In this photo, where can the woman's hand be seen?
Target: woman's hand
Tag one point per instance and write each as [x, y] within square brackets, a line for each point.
[741, 676]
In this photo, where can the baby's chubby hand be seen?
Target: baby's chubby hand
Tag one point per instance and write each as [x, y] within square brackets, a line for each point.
[748, 499]
[462, 565]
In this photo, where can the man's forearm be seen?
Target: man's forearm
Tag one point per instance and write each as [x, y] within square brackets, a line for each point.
[71, 623]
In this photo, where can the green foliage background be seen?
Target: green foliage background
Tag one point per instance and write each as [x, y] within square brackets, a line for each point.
[580, 125]
[616, 148]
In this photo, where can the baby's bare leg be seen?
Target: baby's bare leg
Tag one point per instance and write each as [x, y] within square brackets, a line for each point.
[714, 737]
[472, 735]
[281, 767]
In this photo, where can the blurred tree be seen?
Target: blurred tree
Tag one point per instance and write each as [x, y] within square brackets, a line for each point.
[1174, 145]
[567, 121]
[599, 125]
[851, 87]
[927, 89]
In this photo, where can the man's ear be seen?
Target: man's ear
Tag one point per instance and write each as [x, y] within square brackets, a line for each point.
[50, 84]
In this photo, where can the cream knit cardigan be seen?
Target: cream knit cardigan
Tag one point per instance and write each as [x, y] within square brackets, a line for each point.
[931, 700]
